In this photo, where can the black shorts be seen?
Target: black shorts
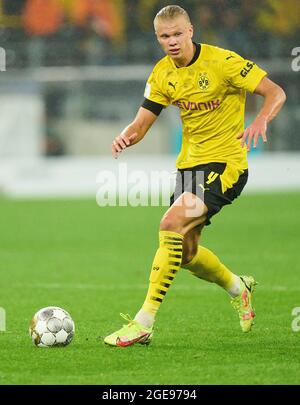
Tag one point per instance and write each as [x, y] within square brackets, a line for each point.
[217, 184]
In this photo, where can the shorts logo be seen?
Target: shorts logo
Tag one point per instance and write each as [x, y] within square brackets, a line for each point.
[203, 188]
[203, 81]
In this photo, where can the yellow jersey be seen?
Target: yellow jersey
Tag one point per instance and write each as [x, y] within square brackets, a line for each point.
[210, 93]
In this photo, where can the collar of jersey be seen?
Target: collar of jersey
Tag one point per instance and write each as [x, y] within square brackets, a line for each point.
[195, 57]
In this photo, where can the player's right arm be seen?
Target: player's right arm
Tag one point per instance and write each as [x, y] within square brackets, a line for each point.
[156, 98]
[134, 132]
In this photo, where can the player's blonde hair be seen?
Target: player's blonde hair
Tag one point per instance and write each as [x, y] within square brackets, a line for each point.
[171, 12]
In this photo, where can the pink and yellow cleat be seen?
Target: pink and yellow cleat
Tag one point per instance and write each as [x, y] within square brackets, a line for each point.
[243, 303]
[129, 334]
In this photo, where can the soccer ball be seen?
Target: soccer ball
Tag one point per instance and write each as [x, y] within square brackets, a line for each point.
[52, 326]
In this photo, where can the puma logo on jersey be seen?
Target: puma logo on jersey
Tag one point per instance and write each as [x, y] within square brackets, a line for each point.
[172, 85]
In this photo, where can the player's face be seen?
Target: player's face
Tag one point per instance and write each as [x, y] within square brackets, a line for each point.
[175, 38]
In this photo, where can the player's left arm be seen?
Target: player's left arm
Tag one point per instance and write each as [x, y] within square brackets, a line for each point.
[274, 98]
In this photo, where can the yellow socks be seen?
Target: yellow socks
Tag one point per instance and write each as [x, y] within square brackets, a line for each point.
[166, 263]
[206, 265]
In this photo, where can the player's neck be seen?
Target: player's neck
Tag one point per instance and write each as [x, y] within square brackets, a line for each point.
[188, 57]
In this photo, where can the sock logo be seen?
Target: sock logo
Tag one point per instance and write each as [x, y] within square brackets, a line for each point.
[155, 268]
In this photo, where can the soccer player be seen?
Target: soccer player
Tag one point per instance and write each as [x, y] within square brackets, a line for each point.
[208, 85]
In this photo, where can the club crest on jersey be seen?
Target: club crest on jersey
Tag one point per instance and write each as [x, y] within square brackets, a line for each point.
[204, 81]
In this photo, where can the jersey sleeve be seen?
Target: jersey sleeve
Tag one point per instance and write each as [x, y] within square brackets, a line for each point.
[154, 92]
[242, 73]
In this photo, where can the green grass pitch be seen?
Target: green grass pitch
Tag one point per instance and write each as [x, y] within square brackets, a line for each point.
[95, 263]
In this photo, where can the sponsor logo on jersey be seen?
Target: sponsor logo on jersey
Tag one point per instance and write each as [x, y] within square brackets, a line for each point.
[203, 81]
[247, 69]
[199, 106]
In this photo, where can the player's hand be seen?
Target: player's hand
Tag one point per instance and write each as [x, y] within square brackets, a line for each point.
[120, 143]
[253, 132]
